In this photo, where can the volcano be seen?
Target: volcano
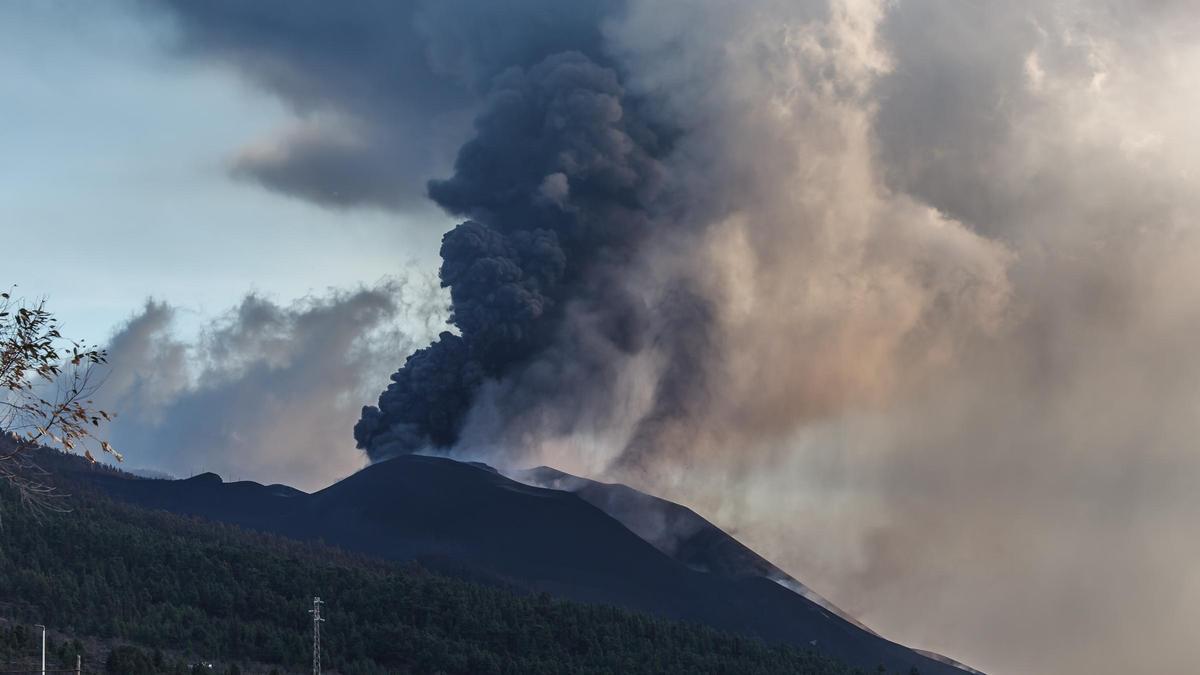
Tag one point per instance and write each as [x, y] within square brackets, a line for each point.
[542, 531]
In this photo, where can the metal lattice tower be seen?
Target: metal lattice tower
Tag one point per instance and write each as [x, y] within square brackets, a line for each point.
[316, 615]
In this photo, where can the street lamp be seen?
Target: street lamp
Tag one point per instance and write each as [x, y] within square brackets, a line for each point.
[43, 646]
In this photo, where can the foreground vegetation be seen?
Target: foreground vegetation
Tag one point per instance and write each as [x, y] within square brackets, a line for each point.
[112, 574]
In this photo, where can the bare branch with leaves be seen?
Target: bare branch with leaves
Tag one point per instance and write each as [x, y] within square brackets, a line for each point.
[46, 385]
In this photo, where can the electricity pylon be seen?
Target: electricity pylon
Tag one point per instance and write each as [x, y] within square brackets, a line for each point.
[316, 615]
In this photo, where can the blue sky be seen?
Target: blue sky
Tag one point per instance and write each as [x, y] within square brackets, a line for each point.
[114, 184]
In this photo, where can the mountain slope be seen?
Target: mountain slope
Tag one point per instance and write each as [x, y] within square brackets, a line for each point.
[164, 591]
[539, 539]
[676, 531]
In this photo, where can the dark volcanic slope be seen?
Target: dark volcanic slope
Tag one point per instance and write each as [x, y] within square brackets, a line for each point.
[676, 530]
[673, 529]
[536, 538]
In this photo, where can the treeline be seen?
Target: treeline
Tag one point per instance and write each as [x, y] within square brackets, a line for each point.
[202, 591]
[21, 646]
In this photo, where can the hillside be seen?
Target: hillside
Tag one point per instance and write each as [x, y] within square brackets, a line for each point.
[110, 573]
[678, 532]
[473, 521]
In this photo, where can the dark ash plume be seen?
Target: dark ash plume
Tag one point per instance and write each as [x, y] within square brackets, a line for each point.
[383, 91]
[555, 184]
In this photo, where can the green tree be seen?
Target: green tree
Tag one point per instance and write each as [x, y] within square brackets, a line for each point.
[129, 660]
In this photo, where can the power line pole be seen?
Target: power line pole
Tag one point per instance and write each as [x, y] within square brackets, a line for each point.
[316, 614]
[43, 647]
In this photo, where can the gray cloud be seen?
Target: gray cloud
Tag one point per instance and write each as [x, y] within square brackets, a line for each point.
[267, 391]
[385, 90]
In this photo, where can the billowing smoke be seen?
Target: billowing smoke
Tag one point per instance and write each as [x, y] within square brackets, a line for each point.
[555, 183]
[750, 259]
[903, 292]
[265, 392]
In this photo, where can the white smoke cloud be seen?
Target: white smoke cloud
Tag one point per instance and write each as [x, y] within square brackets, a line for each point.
[952, 252]
[953, 249]
[266, 392]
